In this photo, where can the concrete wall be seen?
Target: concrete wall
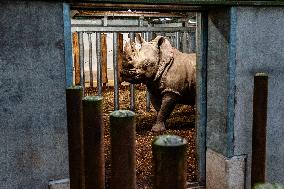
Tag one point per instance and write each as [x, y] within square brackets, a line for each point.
[260, 48]
[33, 133]
[217, 79]
[243, 41]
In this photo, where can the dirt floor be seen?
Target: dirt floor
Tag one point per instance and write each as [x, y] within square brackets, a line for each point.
[181, 122]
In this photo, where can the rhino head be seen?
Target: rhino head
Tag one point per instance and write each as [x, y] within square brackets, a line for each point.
[147, 63]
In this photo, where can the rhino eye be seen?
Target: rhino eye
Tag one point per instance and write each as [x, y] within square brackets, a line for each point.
[145, 65]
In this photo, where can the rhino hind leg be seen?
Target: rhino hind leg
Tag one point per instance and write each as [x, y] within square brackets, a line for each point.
[169, 101]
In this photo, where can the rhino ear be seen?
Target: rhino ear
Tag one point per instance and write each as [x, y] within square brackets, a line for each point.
[161, 40]
[166, 54]
[139, 39]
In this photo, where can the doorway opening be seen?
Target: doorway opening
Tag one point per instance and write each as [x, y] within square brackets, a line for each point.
[99, 36]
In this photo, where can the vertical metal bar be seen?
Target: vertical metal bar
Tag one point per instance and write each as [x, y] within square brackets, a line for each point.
[105, 20]
[91, 59]
[132, 88]
[260, 94]
[191, 42]
[177, 40]
[148, 101]
[201, 90]
[99, 63]
[141, 21]
[172, 40]
[150, 36]
[115, 71]
[184, 42]
[147, 38]
[81, 57]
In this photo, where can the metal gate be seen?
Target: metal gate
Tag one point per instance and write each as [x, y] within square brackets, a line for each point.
[182, 38]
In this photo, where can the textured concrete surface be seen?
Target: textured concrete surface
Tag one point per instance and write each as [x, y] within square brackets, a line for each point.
[33, 133]
[260, 48]
[217, 79]
[224, 173]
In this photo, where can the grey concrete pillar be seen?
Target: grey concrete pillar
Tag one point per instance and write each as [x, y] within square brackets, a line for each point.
[33, 131]
[220, 160]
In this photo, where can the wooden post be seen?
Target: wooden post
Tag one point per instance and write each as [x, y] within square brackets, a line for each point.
[122, 132]
[75, 136]
[120, 55]
[259, 128]
[93, 130]
[104, 59]
[76, 55]
[169, 162]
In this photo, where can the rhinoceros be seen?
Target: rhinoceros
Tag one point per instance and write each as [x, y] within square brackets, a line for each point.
[170, 75]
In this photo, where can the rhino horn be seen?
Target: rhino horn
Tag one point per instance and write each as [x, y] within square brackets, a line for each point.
[139, 39]
[127, 49]
[133, 48]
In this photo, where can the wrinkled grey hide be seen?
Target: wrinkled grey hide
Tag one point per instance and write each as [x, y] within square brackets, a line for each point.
[169, 75]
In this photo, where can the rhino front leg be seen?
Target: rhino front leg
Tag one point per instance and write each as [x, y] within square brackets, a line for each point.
[168, 104]
[156, 102]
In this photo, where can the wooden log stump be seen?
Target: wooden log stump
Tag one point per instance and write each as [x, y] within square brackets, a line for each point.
[75, 136]
[169, 162]
[93, 129]
[122, 132]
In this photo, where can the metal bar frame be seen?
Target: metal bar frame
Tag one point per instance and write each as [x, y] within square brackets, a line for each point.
[148, 37]
[95, 28]
[192, 41]
[99, 63]
[177, 40]
[132, 86]
[184, 42]
[81, 60]
[90, 58]
[201, 90]
[115, 71]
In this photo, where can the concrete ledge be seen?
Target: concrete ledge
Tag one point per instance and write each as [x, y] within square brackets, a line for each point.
[223, 172]
[194, 185]
[59, 184]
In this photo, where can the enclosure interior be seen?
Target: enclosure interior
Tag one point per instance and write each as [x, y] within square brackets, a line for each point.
[98, 40]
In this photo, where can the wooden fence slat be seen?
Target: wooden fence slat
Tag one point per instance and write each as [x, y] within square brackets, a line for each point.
[104, 58]
[75, 38]
[120, 55]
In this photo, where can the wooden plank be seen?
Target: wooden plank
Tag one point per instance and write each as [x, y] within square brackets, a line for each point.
[120, 55]
[76, 57]
[104, 59]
